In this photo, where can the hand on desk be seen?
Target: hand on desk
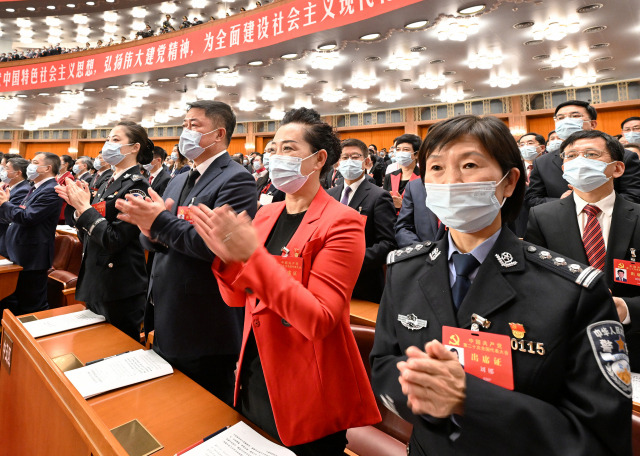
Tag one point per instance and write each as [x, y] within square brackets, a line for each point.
[433, 381]
[142, 212]
[229, 235]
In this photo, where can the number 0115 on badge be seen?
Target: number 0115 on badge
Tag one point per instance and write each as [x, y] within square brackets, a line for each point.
[484, 355]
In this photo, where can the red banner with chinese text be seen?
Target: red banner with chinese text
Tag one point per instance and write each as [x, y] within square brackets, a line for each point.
[253, 31]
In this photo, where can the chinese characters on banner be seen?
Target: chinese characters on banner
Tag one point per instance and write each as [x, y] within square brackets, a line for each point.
[267, 26]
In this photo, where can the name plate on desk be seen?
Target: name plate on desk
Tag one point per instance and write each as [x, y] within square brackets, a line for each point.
[61, 323]
[135, 438]
[7, 352]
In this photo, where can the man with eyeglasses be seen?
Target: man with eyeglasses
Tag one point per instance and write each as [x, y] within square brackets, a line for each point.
[546, 183]
[630, 130]
[376, 206]
[595, 225]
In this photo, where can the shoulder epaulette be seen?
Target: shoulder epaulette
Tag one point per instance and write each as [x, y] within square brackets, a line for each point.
[409, 252]
[579, 273]
[136, 177]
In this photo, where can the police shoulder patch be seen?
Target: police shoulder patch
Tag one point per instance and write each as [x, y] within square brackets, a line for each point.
[138, 193]
[409, 252]
[579, 273]
[610, 350]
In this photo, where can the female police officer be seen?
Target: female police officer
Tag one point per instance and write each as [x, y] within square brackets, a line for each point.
[112, 279]
[570, 391]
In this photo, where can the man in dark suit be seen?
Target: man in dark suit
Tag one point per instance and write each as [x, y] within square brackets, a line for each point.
[18, 186]
[103, 174]
[376, 205]
[546, 183]
[596, 227]
[158, 177]
[194, 329]
[82, 169]
[416, 223]
[30, 236]
[331, 179]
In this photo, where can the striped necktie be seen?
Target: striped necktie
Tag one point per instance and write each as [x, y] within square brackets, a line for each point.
[592, 238]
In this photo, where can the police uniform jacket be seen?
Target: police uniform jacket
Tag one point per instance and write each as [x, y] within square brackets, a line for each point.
[314, 374]
[555, 225]
[113, 262]
[190, 318]
[565, 399]
[17, 195]
[31, 233]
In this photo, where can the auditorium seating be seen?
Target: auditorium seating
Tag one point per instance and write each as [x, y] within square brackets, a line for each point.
[63, 275]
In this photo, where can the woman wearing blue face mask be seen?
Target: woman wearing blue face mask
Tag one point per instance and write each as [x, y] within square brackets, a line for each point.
[300, 376]
[406, 154]
[532, 330]
[113, 279]
[180, 162]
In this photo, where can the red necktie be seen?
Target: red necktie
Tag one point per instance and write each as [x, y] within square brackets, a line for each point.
[150, 179]
[592, 238]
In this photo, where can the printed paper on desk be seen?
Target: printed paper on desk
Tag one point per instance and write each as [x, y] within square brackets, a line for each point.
[239, 440]
[626, 272]
[482, 354]
[122, 370]
[61, 323]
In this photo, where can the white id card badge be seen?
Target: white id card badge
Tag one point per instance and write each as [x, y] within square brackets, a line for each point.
[265, 199]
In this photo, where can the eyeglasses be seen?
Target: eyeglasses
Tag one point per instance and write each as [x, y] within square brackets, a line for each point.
[571, 115]
[529, 143]
[592, 154]
[352, 157]
[635, 128]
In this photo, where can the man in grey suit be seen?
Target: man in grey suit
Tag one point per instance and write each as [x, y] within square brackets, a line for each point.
[194, 329]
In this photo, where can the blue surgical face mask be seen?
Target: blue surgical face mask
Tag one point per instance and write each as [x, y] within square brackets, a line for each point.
[404, 158]
[265, 160]
[189, 143]
[553, 145]
[174, 156]
[632, 137]
[148, 166]
[528, 152]
[466, 207]
[585, 174]
[285, 173]
[75, 169]
[351, 169]
[566, 127]
[111, 152]
[3, 176]
[97, 164]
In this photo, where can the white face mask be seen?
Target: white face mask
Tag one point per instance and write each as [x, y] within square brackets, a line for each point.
[111, 152]
[632, 136]
[3, 176]
[189, 143]
[174, 156]
[465, 207]
[528, 152]
[566, 127]
[553, 145]
[285, 173]
[32, 171]
[265, 160]
[404, 158]
[350, 169]
[148, 166]
[585, 174]
[97, 164]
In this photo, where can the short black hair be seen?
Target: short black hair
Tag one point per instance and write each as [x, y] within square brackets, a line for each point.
[497, 140]
[68, 159]
[539, 138]
[219, 113]
[374, 147]
[628, 119]
[550, 133]
[409, 138]
[159, 152]
[353, 142]
[51, 159]
[615, 149]
[319, 134]
[593, 114]
[19, 164]
[137, 134]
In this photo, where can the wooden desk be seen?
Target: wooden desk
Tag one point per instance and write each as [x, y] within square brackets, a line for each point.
[8, 278]
[364, 312]
[41, 413]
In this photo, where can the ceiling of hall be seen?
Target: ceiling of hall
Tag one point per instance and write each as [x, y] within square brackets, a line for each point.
[603, 40]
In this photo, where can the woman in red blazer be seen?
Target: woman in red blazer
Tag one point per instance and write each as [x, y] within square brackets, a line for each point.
[300, 376]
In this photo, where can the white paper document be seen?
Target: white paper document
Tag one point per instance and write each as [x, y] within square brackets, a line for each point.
[119, 371]
[5, 262]
[239, 440]
[635, 385]
[52, 325]
[66, 229]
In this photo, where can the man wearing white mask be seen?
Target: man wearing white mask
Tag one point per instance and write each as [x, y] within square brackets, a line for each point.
[595, 225]
[102, 175]
[532, 146]
[14, 177]
[376, 205]
[194, 329]
[546, 183]
[30, 236]
[630, 131]
[82, 169]
[158, 177]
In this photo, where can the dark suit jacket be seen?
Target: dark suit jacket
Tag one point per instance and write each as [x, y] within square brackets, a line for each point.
[377, 206]
[546, 183]
[330, 179]
[160, 182]
[17, 194]
[191, 320]
[555, 225]
[416, 222]
[87, 177]
[30, 236]
[97, 181]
